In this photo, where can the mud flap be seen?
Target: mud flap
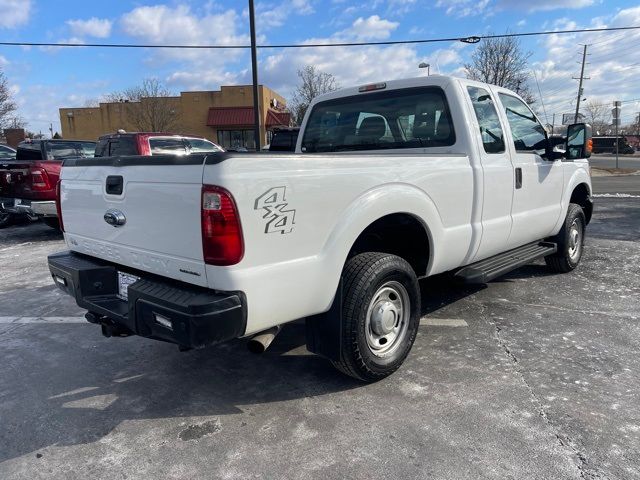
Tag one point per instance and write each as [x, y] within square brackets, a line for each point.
[324, 331]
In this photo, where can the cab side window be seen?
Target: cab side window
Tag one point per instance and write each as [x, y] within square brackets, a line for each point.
[528, 134]
[487, 115]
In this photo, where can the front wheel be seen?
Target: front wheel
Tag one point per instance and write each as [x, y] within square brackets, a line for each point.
[570, 241]
[380, 315]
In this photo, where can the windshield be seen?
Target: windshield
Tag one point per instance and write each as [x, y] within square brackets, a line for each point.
[407, 118]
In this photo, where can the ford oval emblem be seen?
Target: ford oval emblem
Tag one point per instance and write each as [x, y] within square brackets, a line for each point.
[115, 218]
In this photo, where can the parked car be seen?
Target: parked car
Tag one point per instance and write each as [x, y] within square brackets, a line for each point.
[146, 143]
[7, 153]
[608, 145]
[391, 182]
[28, 183]
[284, 139]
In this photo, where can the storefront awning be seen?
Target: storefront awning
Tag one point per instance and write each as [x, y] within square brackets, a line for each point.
[220, 117]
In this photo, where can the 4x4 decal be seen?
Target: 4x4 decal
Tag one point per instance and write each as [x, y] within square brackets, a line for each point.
[273, 203]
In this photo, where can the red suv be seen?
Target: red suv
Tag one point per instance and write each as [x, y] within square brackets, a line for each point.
[152, 144]
[28, 183]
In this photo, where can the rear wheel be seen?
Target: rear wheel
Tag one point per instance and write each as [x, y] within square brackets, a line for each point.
[570, 241]
[52, 222]
[5, 219]
[380, 315]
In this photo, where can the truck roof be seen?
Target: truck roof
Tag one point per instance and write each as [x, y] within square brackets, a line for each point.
[435, 80]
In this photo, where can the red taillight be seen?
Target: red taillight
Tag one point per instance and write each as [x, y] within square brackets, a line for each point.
[59, 204]
[39, 179]
[222, 242]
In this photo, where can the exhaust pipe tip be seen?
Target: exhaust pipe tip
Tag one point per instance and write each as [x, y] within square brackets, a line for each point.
[260, 342]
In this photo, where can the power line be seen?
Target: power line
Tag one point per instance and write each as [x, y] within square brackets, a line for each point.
[468, 39]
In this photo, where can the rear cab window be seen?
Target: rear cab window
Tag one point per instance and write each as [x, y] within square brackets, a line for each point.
[164, 146]
[199, 145]
[29, 151]
[121, 146]
[62, 150]
[394, 119]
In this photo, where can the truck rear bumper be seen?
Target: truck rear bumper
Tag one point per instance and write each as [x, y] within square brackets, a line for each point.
[46, 208]
[156, 307]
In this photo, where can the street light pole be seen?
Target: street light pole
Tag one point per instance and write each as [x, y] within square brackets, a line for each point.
[427, 66]
[254, 68]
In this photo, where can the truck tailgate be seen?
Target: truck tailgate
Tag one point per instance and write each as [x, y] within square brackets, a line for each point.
[159, 200]
[13, 179]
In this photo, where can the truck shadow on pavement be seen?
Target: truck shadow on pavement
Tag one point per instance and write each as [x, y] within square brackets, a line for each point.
[82, 386]
[28, 232]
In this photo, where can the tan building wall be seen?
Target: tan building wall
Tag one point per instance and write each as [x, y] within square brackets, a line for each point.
[192, 110]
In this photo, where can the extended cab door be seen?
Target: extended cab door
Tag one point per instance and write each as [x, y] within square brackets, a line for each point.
[537, 195]
[497, 172]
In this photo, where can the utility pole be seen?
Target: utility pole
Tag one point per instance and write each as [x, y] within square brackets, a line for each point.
[584, 58]
[616, 120]
[254, 68]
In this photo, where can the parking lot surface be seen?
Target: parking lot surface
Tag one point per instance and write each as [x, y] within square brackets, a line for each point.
[532, 376]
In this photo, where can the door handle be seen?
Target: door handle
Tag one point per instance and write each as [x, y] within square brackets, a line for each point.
[518, 177]
[114, 184]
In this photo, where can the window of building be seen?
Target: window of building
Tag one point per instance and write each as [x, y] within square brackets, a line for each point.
[404, 118]
[237, 139]
[487, 115]
[528, 134]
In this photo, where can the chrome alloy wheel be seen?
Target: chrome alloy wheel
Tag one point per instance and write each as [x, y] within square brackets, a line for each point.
[387, 320]
[575, 241]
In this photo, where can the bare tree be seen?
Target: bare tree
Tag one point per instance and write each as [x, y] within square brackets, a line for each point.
[150, 106]
[598, 115]
[7, 105]
[502, 62]
[313, 82]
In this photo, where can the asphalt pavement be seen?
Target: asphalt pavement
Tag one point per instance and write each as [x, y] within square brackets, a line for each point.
[534, 376]
[609, 161]
[616, 185]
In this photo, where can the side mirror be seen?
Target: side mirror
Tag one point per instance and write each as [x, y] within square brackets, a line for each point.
[579, 142]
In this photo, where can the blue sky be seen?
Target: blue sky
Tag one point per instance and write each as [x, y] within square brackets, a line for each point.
[44, 79]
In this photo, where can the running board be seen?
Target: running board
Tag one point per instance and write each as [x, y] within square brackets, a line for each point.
[486, 270]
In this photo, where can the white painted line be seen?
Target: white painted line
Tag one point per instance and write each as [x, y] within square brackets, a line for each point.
[615, 195]
[25, 320]
[443, 322]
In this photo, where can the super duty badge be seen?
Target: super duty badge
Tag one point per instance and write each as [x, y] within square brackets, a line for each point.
[273, 205]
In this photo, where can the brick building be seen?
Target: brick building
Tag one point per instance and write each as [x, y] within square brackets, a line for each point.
[224, 116]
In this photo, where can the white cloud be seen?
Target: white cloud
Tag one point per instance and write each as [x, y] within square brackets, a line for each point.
[612, 67]
[270, 15]
[3, 61]
[93, 27]
[179, 25]
[372, 28]
[542, 5]
[468, 8]
[463, 8]
[14, 13]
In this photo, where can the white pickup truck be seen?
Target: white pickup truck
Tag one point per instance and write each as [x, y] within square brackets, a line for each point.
[390, 182]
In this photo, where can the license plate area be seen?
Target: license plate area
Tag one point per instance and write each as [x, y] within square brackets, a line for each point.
[124, 280]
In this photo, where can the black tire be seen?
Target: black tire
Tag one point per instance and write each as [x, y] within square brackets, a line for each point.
[365, 276]
[52, 222]
[566, 258]
[6, 219]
